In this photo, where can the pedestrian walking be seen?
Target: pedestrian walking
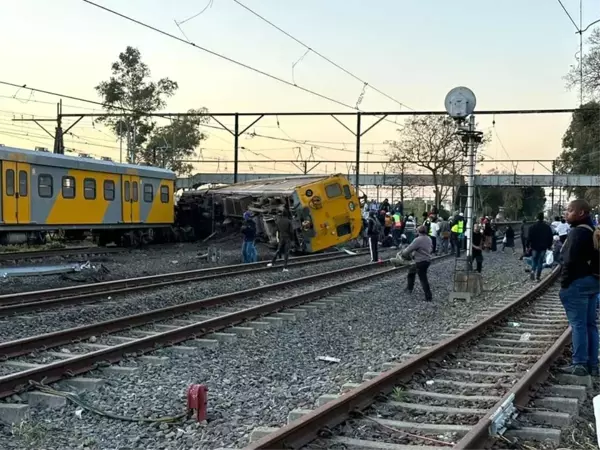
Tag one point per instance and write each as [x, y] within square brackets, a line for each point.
[249, 254]
[419, 250]
[444, 235]
[456, 233]
[285, 232]
[554, 225]
[433, 234]
[540, 240]
[487, 234]
[524, 230]
[373, 230]
[580, 286]
[509, 239]
[477, 247]
[409, 229]
[562, 229]
[397, 228]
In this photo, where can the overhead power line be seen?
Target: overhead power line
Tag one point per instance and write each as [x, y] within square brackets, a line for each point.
[311, 49]
[219, 55]
[568, 15]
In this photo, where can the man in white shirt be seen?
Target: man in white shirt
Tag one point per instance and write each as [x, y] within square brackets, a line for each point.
[554, 225]
[563, 230]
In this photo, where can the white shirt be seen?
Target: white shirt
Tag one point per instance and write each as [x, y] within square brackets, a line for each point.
[563, 229]
[434, 227]
[555, 225]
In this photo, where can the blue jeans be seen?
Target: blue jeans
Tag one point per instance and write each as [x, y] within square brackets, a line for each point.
[249, 254]
[580, 301]
[538, 258]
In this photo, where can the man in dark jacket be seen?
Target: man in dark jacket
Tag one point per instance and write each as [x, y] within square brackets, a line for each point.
[540, 240]
[285, 233]
[249, 254]
[580, 284]
[420, 250]
[373, 232]
[524, 231]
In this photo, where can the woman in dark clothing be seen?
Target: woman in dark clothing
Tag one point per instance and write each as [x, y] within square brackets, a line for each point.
[509, 239]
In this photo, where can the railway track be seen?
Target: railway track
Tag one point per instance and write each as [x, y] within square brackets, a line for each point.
[31, 359]
[33, 254]
[43, 299]
[459, 393]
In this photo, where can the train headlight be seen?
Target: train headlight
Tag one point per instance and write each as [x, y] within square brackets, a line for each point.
[351, 205]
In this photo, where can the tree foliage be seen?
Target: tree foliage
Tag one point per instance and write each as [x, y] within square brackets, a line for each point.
[430, 143]
[591, 69]
[130, 90]
[170, 145]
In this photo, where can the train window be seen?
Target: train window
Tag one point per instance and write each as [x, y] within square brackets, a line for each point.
[135, 192]
[333, 190]
[23, 185]
[347, 192]
[109, 190]
[10, 182]
[127, 192]
[148, 193]
[164, 194]
[89, 189]
[45, 185]
[68, 187]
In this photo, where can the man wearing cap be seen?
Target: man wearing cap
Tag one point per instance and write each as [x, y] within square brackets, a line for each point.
[249, 254]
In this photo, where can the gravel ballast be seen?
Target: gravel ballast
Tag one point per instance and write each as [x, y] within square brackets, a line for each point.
[258, 380]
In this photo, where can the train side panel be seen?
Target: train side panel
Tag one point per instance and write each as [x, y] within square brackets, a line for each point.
[157, 201]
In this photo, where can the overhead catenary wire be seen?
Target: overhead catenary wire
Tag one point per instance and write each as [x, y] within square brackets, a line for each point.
[316, 52]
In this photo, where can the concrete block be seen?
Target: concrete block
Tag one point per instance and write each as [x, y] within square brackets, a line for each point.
[62, 355]
[223, 337]
[241, 331]
[574, 380]
[46, 400]
[308, 308]
[428, 428]
[273, 321]
[20, 365]
[478, 373]
[511, 356]
[86, 384]
[298, 312]
[565, 390]
[349, 386]
[123, 339]
[320, 304]
[13, 413]
[370, 375]
[451, 397]
[351, 443]
[120, 370]
[96, 346]
[261, 432]
[437, 409]
[285, 316]
[297, 413]
[560, 404]
[154, 360]
[326, 399]
[184, 350]
[554, 419]
[162, 328]
[536, 434]
[183, 323]
[469, 384]
[259, 325]
[197, 318]
[530, 343]
[203, 343]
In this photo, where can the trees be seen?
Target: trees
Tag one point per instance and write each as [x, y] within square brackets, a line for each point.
[170, 145]
[430, 143]
[130, 90]
[591, 69]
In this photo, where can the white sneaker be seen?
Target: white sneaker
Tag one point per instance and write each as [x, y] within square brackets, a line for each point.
[285, 270]
[270, 265]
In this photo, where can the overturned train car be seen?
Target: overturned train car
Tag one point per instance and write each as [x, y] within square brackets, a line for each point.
[325, 209]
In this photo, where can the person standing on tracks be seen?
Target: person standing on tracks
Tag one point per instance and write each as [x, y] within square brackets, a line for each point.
[477, 245]
[420, 250]
[433, 233]
[563, 230]
[580, 286]
[410, 228]
[397, 228]
[444, 235]
[524, 231]
[284, 235]
[457, 230]
[540, 240]
[373, 230]
[249, 254]
[509, 239]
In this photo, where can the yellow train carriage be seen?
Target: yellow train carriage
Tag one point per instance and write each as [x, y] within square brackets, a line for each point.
[43, 191]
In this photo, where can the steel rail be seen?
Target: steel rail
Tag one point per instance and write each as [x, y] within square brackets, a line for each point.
[35, 300]
[55, 371]
[304, 430]
[14, 256]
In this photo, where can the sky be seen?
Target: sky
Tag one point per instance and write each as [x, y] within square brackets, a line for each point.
[513, 54]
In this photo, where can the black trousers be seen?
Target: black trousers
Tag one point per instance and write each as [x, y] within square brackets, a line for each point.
[455, 243]
[373, 244]
[478, 258]
[524, 242]
[433, 243]
[420, 269]
[283, 251]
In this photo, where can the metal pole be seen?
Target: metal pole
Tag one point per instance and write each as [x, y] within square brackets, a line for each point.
[552, 193]
[471, 189]
[236, 137]
[120, 141]
[357, 180]
[402, 185]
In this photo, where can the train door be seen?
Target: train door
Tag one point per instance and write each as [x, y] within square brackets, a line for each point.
[9, 192]
[23, 194]
[126, 198]
[131, 198]
[136, 189]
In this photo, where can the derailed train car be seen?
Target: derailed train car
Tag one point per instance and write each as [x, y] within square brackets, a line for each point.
[325, 209]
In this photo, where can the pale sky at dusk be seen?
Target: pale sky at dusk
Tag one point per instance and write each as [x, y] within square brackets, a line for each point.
[513, 54]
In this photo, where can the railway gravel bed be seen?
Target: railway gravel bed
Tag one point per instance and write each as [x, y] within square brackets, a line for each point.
[258, 380]
[54, 319]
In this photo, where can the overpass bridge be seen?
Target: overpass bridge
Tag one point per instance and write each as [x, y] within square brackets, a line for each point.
[554, 181]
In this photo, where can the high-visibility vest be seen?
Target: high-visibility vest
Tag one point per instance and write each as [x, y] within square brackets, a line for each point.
[458, 227]
[397, 221]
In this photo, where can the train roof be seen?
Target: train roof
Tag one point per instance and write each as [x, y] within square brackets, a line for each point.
[80, 163]
[270, 186]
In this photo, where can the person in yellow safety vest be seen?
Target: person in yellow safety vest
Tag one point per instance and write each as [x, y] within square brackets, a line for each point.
[397, 229]
[456, 233]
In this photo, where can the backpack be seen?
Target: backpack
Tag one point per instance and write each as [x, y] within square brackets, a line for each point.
[595, 236]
